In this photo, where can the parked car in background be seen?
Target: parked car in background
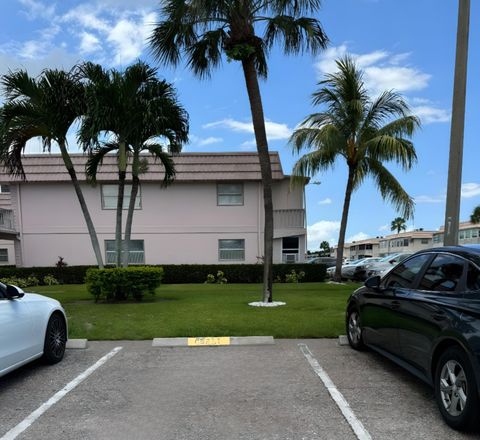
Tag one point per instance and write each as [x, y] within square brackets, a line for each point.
[328, 261]
[424, 314]
[351, 271]
[383, 265]
[348, 269]
[31, 326]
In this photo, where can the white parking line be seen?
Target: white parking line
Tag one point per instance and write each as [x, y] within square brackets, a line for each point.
[27, 422]
[355, 424]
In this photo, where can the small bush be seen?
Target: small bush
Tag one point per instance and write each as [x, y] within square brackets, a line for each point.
[119, 284]
[294, 277]
[21, 282]
[61, 263]
[219, 280]
[50, 280]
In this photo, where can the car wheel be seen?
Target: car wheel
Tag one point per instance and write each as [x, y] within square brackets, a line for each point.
[354, 329]
[456, 389]
[55, 339]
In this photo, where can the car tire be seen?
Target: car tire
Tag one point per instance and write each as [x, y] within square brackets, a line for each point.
[55, 339]
[354, 329]
[456, 390]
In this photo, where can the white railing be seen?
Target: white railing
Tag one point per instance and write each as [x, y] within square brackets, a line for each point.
[288, 218]
[134, 257]
[6, 219]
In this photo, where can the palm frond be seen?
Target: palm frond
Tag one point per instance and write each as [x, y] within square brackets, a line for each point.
[206, 52]
[390, 148]
[310, 164]
[167, 162]
[390, 188]
[95, 160]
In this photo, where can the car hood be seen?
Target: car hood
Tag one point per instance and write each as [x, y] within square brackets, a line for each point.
[35, 297]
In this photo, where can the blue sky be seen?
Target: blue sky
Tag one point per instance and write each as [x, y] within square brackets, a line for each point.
[408, 46]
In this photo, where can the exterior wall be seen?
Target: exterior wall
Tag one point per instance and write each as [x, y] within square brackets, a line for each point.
[469, 233]
[180, 224]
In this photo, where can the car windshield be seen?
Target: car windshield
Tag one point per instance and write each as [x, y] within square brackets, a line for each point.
[388, 258]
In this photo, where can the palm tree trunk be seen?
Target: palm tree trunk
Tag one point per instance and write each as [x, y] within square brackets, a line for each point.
[122, 172]
[83, 205]
[343, 224]
[131, 209]
[258, 120]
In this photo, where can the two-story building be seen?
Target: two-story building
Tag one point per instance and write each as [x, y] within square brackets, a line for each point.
[468, 233]
[212, 213]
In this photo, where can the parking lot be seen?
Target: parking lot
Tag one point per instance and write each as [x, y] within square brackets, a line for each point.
[256, 392]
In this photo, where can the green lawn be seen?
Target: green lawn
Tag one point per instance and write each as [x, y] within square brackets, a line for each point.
[313, 310]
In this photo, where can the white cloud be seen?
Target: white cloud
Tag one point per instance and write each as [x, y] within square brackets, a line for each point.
[322, 230]
[470, 190]
[382, 69]
[34, 9]
[429, 114]
[327, 201]
[89, 43]
[275, 130]
[197, 141]
[429, 199]
[384, 228]
[357, 237]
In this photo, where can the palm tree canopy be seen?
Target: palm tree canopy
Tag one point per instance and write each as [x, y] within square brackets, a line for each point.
[135, 106]
[204, 29]
[475, 217]
[365, 132]
[398, 224]
[44, 107]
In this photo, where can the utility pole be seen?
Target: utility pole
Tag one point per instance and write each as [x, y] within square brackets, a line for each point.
[452, 212]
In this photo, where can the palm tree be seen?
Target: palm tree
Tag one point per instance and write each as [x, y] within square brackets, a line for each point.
[44, 107]
[204, 30]
[363, 131]
[115, 108]
[398, 224]
[163, 118]
[475, 217]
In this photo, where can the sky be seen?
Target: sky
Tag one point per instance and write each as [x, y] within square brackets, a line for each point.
[408, 46]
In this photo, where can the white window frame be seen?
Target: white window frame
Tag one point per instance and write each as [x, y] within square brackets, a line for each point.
[232, 249]
[134, 257]
[4, 256]
[126, 196]
[239, 193]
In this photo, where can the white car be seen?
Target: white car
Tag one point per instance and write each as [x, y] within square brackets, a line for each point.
[31, 326]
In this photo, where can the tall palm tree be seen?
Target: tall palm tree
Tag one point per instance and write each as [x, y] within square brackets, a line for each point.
[475, 217]
[204, 30]
[44, 107]
[115, 108]
[363, 131]
[398, 224]
[164, 120]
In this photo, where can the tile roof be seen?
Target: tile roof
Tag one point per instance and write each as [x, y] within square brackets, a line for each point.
[189, 167]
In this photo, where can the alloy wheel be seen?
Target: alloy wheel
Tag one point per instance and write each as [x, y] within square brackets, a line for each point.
[453, 387]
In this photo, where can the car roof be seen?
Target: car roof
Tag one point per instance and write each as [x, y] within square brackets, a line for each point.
[470, 251]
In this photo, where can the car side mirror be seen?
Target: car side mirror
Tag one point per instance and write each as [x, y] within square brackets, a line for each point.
[14, 292]
[373, 282]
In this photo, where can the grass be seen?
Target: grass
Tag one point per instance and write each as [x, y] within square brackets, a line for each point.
[313, 310]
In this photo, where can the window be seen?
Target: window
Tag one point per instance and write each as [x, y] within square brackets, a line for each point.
[110, 194]
[136, 253]
[424, 240]
[231, 250]
[4, 188]
[443, 274]
[473, 278]
[462, 235]
[361, 247]
[369, 247]
[405, 241]
[290, 249]
[468, 233]
[437, 238]
[3, 255]
[404, 275]
[474, 233]
[229, 194]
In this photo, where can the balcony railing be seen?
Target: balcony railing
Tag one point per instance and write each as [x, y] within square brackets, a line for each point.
[288, 218]
[6, 220]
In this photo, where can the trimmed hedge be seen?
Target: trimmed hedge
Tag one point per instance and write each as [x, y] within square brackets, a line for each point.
[120, 283]
[178, 273]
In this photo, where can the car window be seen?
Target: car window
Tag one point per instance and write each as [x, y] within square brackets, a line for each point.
[405, 273]
[473, 278]
[443, 274]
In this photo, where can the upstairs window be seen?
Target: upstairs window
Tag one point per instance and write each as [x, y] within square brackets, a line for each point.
[3, 255]
[110, 194]
[229, 194]
[136, 253]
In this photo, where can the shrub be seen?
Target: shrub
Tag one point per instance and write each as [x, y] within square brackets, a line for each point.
[219, 280]
[61, 263]
[50, 280]
[118, 284]
[21, 282]
[294, 277]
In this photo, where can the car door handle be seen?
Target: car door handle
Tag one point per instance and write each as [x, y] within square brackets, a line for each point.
[395, 305]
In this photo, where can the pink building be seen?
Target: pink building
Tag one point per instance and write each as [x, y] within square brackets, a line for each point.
[213, 213]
